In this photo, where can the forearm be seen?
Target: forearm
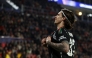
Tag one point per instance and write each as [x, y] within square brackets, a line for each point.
[64, 46]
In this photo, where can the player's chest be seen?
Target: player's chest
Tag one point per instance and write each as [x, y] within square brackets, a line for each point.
[56, 37]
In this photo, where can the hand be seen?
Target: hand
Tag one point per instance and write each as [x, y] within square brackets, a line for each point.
[43, 41]
[48, 39]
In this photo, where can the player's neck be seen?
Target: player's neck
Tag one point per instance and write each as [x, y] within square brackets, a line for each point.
[60, 25]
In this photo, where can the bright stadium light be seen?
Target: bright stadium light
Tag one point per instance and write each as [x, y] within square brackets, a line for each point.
[89, 15]
[12, 4]
[55, 0]
[86, 6]
[73, 3]
[80, 13]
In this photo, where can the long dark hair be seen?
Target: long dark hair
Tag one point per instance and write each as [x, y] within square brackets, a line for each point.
[70, 19]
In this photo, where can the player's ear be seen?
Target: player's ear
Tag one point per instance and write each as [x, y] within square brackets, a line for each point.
[63, 18]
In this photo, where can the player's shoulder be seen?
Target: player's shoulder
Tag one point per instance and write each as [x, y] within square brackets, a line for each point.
[69, 32]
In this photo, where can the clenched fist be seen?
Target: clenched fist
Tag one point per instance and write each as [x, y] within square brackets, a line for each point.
[48, 39]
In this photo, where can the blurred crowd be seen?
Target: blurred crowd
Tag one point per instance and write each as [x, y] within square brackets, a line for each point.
[34, 23]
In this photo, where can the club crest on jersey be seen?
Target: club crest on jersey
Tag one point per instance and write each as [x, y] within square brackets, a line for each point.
[54, 37]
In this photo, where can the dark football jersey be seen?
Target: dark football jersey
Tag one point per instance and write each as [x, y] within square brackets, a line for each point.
[59, 36]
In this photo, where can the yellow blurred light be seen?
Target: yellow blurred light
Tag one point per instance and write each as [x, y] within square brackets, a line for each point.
[79, 13]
